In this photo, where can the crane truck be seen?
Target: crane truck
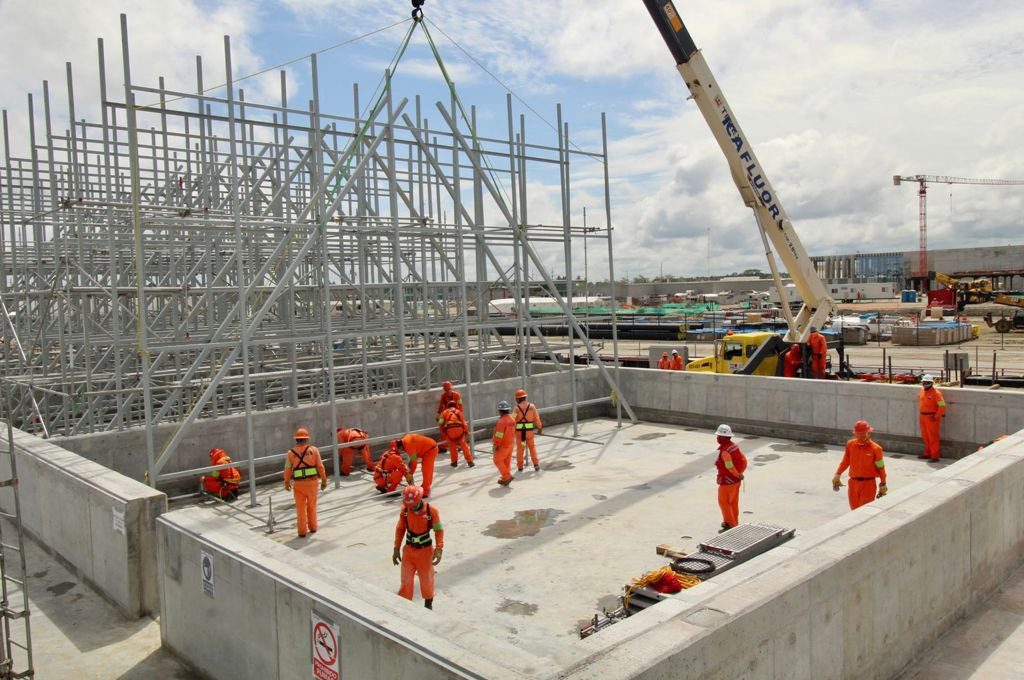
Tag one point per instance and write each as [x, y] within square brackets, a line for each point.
[746, 353]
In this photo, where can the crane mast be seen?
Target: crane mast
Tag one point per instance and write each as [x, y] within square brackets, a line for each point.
[747, 173]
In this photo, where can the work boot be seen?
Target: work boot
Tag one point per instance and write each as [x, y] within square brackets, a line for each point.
[520, 468]
[505, 482]
[536, 467]
[455, 465]
[429, 604]
[923, 455]
[471, 464]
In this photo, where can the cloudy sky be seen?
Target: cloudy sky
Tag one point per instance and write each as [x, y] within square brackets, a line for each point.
[835, 95]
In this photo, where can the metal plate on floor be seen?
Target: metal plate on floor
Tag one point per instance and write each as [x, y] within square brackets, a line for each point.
[746, 540]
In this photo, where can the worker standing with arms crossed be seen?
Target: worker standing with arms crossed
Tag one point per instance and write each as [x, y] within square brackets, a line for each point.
[677, 361]
[864, 459]
[731, 464]
[932, 407]
[417, 519]
[303, 465]
[454, 428]
[527, 423]
[417, 447]
[818, 346]
[501, 443]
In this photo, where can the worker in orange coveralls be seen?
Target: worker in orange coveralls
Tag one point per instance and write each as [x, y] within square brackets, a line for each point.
[932, 409]
[864, 458]
[389, 472]
[677, 361]
[222, 483]
[792, 361]
[303, 465]
[418, 446]
[818, 346]
[449, 397]
[351, 434]
[415, 523]
[454, 429]
[731, 464]
[527, 423]
[664, 363]
[501, 443]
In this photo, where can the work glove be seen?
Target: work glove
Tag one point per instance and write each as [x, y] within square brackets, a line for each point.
[408, 478]
[396, 557]
[882, 490]
[437, 555]
[836, 483]
[287, 486]
[323, 484]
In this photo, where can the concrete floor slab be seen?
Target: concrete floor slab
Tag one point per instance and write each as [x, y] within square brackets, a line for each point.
[528, 564]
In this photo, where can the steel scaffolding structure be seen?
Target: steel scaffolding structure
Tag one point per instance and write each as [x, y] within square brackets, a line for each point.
[190, 255]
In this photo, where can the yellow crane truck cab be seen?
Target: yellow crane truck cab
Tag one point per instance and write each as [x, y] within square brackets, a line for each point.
[735, 353]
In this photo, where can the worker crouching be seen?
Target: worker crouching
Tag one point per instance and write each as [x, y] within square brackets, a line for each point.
[389, 472]
[864, 459]
[731, 464]
[418, 448]
[302, 467]
[415, 522]
[222, 483]
[347, 435]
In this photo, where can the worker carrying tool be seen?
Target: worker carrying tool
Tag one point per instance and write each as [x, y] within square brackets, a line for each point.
[527, 423]
[417, 447]
[501, 443]
[389, 472]
[864, 459]
[222, 483]
[454, 429]
[351, 434]
[731, 464]
[818, 347]
[449, 398]
[303, 465]
[664, 362]
[792, 361]
[415, 523]
[677, 361]
[932, 409]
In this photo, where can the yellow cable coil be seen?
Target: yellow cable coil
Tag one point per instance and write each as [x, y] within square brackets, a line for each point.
[686, 580]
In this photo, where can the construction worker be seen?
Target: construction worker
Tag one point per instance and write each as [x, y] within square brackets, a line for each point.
[932, 409]
[731, 464]
[677, 361]
[351, 434]
[418, 446]
[818, 347]
[454, 429]
[449, 397]
[303, 464]
[222, 483]
[864, 459]
[501, 443]
[389, 472]
[792, 361]
[415, 522]
[527, 423]
[664, 362]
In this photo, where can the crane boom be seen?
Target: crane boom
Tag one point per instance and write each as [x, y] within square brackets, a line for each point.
[748, 174]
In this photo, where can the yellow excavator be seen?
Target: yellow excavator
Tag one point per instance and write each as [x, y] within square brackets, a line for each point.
[979, 291]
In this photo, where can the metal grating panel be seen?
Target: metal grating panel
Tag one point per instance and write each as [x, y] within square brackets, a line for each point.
[742, 539]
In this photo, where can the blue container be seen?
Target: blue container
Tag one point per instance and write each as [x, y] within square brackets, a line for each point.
[909, 296]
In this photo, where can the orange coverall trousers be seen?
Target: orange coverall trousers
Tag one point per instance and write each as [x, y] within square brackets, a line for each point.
[521, 446]
[930, 435]
[729, 502]
[417, 562]
[305, 492]
[861, 492]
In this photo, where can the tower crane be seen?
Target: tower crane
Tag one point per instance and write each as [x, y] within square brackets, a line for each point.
[922, 196]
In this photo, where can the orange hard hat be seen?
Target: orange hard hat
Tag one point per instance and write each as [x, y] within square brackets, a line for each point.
[412, 496]
[520, 394]
[447, 385]
[729, 332]
[302, 433]
[862, 427]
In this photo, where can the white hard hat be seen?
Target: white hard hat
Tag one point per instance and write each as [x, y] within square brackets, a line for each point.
[724, 431]
[927, 378]
[675, 351]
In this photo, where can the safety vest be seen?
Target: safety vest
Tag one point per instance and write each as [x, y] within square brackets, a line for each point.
[419, 539]
[303, 470]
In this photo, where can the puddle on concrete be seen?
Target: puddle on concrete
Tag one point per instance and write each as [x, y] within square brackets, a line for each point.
[689, 453]
[765, 457]
[689, 429]
[355, 545]
[600, 497]
[556, 465]
[61, 588]
[525, 523]
[748, 437]
[800, 492]
[747, 512]
[686, 538]
[799, 447]
[517, 607]
[639, 487]
[760, 464]
[40, 574]
[649, 436]
[627, 443]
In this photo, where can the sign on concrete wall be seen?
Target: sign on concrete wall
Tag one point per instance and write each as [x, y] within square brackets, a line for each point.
[326, 648]
[206, 565]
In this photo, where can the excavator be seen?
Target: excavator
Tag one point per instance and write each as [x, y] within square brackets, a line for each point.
[754, 353]
[979, 291]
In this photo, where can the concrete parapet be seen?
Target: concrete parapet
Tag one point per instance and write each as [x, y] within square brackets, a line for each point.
[99, 521]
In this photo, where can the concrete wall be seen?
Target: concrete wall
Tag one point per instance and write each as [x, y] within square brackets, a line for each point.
[69, 504]
[819, 410]
[124, 450]
[257, 624]
[860, 597]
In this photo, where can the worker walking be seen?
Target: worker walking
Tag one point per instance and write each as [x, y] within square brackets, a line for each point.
[793, 360]
[303, 465]
[418, 447]
[677, 361]
[864, 459]
[449, 397]
[222, 483]
[818, 347]
[454, 428]
[415, 522]
[501, 443]
[932, 409]
[351, 434]
[389, 472]
[731, 464]
[527, 424]
[664, 363]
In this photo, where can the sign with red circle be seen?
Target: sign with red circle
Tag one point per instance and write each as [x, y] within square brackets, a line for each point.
[326, 649]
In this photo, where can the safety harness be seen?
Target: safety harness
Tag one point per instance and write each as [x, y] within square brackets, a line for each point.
[522, 424]
[423, 539]
[301, 469]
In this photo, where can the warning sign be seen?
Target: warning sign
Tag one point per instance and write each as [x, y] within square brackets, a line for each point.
[326, 648]
[206, 565]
